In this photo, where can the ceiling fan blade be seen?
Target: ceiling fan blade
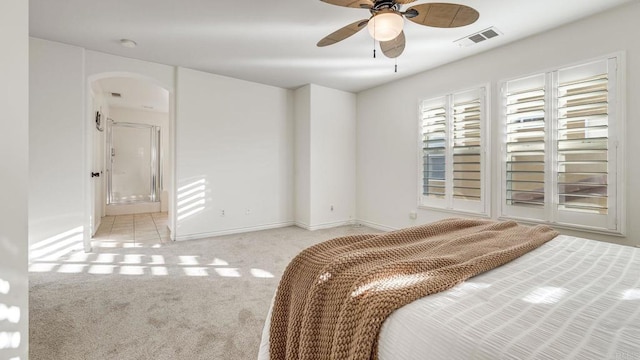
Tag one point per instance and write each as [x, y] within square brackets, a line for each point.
[393, 48]
[343, 33]
[443, 15]
[359, 4]
[402, 2]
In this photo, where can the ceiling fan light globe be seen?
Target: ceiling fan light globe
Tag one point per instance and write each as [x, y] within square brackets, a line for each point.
[386, 26]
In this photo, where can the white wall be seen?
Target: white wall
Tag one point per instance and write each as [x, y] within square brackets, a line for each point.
[62, 137]
[260, 135]
[101, 63]
[56, 151]
[302, 157]
[234, 152]
[14, 142]
[387, 179]
[325, 157]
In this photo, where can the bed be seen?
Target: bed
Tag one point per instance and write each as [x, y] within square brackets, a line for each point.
[570, 298]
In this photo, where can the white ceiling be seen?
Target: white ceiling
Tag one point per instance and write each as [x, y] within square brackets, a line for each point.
[134, 93]
[274, 42]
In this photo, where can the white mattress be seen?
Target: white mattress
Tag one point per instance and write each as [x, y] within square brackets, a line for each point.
[571, 298]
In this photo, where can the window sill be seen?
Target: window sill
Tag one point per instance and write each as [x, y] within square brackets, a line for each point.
[571, 227]
[455, 211]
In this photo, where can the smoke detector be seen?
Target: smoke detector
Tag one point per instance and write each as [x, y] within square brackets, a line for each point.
[128, 43]
[478, 37]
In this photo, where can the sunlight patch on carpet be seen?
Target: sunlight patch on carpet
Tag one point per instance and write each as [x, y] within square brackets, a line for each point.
[259, 273]
[228, 272]
[196, 271]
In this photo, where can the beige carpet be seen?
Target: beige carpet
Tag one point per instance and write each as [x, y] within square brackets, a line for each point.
[199, 299]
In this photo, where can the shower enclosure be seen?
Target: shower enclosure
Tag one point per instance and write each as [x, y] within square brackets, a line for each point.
[134, 165]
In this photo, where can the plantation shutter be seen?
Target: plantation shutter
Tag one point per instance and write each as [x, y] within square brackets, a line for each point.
[434, 142]
[583, 141]
[467, 146]
[561, 150]
[453, 151]
[525, 142]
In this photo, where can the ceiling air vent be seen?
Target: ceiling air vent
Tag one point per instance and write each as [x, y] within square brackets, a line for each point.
[116, 94]
[481, 36]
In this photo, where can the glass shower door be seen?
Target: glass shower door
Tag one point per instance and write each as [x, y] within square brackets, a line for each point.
[134, 163]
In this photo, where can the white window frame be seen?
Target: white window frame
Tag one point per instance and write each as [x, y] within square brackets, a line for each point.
[449, 203]
[614, 223]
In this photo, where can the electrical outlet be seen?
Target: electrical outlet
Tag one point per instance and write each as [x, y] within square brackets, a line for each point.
[413, 215]
[247, 212]
[222, 212]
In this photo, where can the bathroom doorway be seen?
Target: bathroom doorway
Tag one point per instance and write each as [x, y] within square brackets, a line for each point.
[130, 146]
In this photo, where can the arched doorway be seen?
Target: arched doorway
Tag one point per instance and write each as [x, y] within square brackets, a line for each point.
[129, 148]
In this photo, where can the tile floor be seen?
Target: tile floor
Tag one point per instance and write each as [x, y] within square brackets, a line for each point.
[134, 230]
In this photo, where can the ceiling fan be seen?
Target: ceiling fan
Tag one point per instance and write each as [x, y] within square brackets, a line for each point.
[386, 21]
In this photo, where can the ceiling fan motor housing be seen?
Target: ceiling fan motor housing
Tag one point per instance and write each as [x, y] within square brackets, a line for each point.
[384, 5]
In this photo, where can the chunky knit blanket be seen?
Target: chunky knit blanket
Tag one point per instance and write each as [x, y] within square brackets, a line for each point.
[334, 296]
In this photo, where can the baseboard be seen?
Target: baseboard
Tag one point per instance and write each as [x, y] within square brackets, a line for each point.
[324, 225]
[234, 231]
[376, 226]
[284, 224]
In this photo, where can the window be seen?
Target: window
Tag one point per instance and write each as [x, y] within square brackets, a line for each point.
[561, 150]
[452, 148]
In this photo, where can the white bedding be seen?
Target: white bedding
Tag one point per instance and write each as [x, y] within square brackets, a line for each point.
[571, 298]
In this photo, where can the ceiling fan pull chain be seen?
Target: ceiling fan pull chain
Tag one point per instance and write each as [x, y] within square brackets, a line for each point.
[374, 48]
[374, 40]
[396, 66]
